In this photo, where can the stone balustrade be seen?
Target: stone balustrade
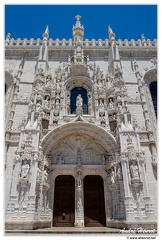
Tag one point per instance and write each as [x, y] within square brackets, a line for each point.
[86, 43]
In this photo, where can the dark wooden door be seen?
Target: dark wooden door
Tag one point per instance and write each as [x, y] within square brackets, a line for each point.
[94, 204]
[64, 201]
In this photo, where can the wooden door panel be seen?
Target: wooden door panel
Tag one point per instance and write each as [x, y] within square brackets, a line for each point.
[94, 206]
[64, 202]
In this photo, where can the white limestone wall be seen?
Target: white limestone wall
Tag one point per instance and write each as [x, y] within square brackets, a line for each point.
[20, 110]
[144, 65]
[25, 90]
[103, 65]
[128, 71]
[12, 64]
[53, 65]
[132, 90]
[137, 111]
[28, 71]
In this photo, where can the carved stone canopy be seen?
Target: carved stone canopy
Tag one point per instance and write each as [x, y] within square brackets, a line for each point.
[79, 81]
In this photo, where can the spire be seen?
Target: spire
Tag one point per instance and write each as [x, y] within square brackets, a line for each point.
[46, 34]
[78, 31]
[111, 34]
[43, 53]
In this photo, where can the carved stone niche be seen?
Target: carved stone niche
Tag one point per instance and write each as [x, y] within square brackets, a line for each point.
[134, 173]
[78, 70]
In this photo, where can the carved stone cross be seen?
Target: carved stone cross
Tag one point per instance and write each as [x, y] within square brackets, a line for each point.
[78, 17]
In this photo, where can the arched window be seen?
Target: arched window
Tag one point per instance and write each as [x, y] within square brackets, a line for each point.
[74, 93]
[153, 91]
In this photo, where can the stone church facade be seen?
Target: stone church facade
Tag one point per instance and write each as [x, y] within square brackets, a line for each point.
[80, 134]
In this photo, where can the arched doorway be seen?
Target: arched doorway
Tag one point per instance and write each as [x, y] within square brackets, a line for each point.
[94, 204]
[64, 201]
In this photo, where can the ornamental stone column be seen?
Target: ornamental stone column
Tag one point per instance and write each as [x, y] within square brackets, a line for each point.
[79, 201]
[125, 176]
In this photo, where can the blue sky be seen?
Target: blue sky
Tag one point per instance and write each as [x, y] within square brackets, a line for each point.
[127, 21]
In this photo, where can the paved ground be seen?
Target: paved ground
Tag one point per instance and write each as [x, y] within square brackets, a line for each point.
[64, 230]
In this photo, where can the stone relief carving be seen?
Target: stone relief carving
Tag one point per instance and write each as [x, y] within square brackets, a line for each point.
[25, 170]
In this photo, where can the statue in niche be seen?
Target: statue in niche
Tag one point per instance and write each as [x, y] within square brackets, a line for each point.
[57, 106]
[46, 102]
[101, 105]
[134, 170]
[38, 107]
[112, 176]
[79, 180]
[25, 169]
[120, 108]
[119, 173]
[45, 175]
[23, 184]
[79, 101]
[48, 81]
[111, 104]
[38, 172]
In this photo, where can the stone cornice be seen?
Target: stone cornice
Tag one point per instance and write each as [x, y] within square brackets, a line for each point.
[100, 52]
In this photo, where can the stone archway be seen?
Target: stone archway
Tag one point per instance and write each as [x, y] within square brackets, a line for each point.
[100, 135]
[84, 147]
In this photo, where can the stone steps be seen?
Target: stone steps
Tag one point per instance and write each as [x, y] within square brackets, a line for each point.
[63, 230]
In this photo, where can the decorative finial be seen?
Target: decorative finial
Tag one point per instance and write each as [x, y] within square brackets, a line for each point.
[7, 38]
[110, 29]
[47, 30]
[111, 34]
[78, 17]
[142, 36]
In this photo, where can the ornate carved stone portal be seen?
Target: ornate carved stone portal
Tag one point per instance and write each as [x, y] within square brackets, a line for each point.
[80, 139]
